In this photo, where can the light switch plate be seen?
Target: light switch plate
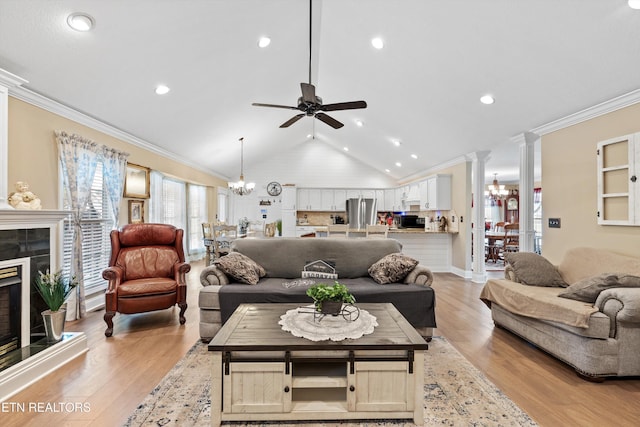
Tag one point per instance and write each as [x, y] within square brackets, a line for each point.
[554, 222]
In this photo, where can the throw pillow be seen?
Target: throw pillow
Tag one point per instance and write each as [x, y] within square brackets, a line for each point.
[534, 270]
[589, 288]
[241, 268]
[392, 268]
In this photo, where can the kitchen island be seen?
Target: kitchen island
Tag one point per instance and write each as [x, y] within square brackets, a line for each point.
[431, 248]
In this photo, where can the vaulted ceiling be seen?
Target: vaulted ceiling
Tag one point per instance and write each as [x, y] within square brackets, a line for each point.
[541, 60]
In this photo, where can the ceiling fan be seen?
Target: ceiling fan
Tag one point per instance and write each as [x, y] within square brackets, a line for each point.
[310, 104]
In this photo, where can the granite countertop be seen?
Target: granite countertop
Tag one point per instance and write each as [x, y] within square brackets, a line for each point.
[322, 228]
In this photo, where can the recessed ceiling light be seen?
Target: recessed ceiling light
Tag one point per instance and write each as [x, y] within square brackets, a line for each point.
[487, 99]
[162, 90]
[309, 135]
[80, 21]
[413, 156]
[398, 164]
[387, 170]
[634, 4]
[396, 142]
[345, 148]
[359, 123]
[264, 42]
[377, 42]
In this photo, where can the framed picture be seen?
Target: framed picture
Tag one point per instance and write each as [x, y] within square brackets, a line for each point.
[136, 182]
[136, 211]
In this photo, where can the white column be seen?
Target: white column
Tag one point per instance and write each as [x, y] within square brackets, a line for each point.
[478, 161]
[527, 153]
[7, 80]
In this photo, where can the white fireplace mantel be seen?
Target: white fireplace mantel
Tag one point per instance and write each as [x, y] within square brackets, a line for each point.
[16, 218]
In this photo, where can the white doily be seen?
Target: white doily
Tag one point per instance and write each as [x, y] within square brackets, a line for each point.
[301, 322]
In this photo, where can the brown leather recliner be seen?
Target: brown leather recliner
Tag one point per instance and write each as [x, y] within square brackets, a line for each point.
[146, 271]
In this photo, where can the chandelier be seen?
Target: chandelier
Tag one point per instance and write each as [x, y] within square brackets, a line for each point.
[240, 187]
[496, 190]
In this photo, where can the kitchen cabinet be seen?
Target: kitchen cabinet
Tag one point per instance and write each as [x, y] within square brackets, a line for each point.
[289, 197]
[618, 186]
[301, 230]
[309, 199]
[289, 218]
[435, 193]
[339, 200]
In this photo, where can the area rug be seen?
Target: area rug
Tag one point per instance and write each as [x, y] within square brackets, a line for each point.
[455, 394]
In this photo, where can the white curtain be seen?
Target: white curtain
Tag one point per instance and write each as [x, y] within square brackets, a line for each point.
[78, 159]
[115, 169]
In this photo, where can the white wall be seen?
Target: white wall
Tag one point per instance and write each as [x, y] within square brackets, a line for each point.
[311, 164]
[316, 164]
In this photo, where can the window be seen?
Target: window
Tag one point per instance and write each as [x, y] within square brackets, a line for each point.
[197, 211]
[618, 190]
[97, 223]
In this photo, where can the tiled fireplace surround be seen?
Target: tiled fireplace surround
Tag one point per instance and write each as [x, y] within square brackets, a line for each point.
[31, 240]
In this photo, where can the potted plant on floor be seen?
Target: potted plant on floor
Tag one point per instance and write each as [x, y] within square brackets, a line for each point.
[54, 289]
[329, 299]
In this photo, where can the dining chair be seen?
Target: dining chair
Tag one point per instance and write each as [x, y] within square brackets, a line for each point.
[338, 230]
[511, 237]
[223, 235]
[376, 231]
[207, 239]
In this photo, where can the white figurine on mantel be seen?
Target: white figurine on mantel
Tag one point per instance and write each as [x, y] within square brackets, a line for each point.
[22, 198]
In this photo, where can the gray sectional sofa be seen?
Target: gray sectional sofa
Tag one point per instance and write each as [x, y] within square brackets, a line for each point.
[283, 260]
[599, 333]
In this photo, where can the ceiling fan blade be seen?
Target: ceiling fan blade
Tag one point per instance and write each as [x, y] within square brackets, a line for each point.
[292, 120]
[354, 105]
[308, 93]
[257, 104]
[329, 120]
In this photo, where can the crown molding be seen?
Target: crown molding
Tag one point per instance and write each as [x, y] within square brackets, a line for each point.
[9, 80]
[609, 106]
[55, 107]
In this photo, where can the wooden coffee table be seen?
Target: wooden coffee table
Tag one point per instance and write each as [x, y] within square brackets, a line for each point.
[261, 372]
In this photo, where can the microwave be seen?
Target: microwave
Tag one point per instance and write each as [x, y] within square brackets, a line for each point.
[411, 221]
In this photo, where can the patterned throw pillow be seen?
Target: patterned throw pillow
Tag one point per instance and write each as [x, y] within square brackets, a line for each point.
[241, 268]
[392, 268]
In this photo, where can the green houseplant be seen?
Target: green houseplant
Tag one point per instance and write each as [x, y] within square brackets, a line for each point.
[329, 299]
[54, 289]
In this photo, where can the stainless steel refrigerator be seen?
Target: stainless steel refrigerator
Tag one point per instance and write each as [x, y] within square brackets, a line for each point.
[361, 212]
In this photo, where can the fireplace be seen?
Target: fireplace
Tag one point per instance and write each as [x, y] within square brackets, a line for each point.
[10, 307]
[29, 242]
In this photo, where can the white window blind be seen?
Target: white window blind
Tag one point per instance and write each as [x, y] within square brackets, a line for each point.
[174, 203]
[96, 246]
[197, 212]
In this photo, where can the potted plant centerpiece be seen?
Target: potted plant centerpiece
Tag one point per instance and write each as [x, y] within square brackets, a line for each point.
[54, 289]
[329, 299]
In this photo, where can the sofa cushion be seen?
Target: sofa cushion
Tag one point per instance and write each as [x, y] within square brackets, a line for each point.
[240, 267]
[415, 302]
[534, 270]
[392, 268]
[589, 288]
[539, 302]
[579, 263]
[286, 257]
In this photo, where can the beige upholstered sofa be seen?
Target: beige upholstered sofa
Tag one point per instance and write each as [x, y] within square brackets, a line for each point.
[283, 260]
[599, 338]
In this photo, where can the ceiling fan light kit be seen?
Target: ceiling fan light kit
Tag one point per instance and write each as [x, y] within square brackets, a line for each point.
[310, 104]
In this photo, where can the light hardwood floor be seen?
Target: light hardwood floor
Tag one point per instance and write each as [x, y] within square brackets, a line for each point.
[117, 373]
